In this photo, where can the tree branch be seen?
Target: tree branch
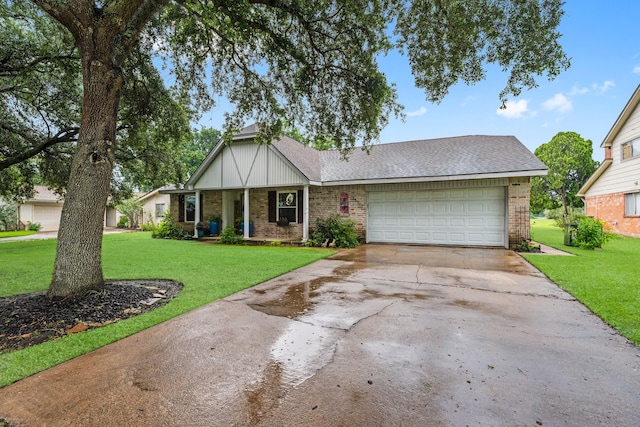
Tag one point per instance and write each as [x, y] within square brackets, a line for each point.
[65, 135]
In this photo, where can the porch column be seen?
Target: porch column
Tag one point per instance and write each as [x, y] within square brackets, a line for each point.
[196, 218]
[305, 214]
[245, 232]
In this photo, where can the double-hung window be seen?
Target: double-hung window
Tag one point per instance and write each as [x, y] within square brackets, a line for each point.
[288, 206]
[632, 204]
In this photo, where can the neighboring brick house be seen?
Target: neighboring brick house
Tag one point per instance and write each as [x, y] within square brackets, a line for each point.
[469, 190]
[612, 193]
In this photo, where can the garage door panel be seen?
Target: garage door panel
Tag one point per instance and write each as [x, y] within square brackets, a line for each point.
[48, 216]
[460, 217]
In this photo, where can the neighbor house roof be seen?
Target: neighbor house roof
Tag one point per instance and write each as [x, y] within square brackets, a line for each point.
[42, 193]
[622, 118]
[463, 157]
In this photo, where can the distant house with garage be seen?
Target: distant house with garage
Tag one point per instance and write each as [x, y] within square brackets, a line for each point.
[467, 190]
[612, 193]
[44, 208]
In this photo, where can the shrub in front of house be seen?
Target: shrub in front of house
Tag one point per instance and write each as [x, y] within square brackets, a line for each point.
[591, 234]
[333, 229]
[34, 226]
[229, 236]
[168, 229]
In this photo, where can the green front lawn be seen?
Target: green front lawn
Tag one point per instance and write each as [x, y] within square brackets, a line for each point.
[607, 281]
[4, 234]
[208, 272]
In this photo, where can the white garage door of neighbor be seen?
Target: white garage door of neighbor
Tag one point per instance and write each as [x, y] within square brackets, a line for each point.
[48, 216]
[470, 216]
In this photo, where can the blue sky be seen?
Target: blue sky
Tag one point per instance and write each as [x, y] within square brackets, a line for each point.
[603, 41]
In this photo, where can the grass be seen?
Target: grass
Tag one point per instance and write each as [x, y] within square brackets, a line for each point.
[607, 281]
[208, 272]
[4, 234]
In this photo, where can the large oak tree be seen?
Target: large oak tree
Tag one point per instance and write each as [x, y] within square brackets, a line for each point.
[311, 64]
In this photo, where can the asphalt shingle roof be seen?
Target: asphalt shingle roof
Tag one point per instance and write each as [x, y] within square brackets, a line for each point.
[442, 157]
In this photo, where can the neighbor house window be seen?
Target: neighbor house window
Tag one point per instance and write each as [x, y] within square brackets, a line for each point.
[160, 207]
[632, 204]
[288, 205]
[631, 149]
[190, 208]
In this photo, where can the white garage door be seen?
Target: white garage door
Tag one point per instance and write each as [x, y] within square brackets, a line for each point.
[471, 216]
[48, 216]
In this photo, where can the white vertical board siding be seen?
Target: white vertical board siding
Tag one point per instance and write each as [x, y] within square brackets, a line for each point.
[231, 177]
[622, 175]
[256, 172]
[464, 216]
[212, 177]
[248, 166]
[282, 173]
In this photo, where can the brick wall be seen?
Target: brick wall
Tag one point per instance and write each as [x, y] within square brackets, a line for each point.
[211, 205]
[610, 209]
[518, 193]
[325, 201]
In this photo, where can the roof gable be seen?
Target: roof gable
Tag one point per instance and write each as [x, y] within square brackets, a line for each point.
[245, 164]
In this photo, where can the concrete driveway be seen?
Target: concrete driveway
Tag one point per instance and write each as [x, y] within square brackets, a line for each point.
[382, 335]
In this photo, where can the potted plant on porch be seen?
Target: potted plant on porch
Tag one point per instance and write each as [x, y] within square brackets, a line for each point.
[240, 224]
[215, 224]
[200, 227]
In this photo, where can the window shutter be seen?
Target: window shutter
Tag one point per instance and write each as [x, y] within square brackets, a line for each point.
[181, 208]
[271, 196]
[300, 206]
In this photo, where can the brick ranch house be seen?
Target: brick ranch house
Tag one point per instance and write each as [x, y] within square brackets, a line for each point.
[468, 191]
[612, 193]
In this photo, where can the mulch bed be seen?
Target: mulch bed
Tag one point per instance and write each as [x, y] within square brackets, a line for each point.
[31, 319]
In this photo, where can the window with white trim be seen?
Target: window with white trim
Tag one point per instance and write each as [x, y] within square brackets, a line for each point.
[288, 206]
[631, 149]
[632, 204]
[160, 208]
[190, 208]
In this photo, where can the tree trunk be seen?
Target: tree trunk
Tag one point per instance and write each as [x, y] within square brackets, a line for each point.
[78, 266]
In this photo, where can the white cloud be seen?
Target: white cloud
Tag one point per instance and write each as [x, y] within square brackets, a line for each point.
[514, 109]
[605, 86]
[419, 112]
[559, 103]
[578, 91]
[636, 69]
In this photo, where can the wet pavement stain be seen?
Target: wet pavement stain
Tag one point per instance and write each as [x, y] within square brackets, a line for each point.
[297, 300]
[264, 396]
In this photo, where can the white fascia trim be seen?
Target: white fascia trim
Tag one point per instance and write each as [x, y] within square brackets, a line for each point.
[582, 192]
[438, 178]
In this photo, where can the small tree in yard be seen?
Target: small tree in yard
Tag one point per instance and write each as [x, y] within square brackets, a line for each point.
[308, 63]
[8, 216]
[132, 210]
[569, 159]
